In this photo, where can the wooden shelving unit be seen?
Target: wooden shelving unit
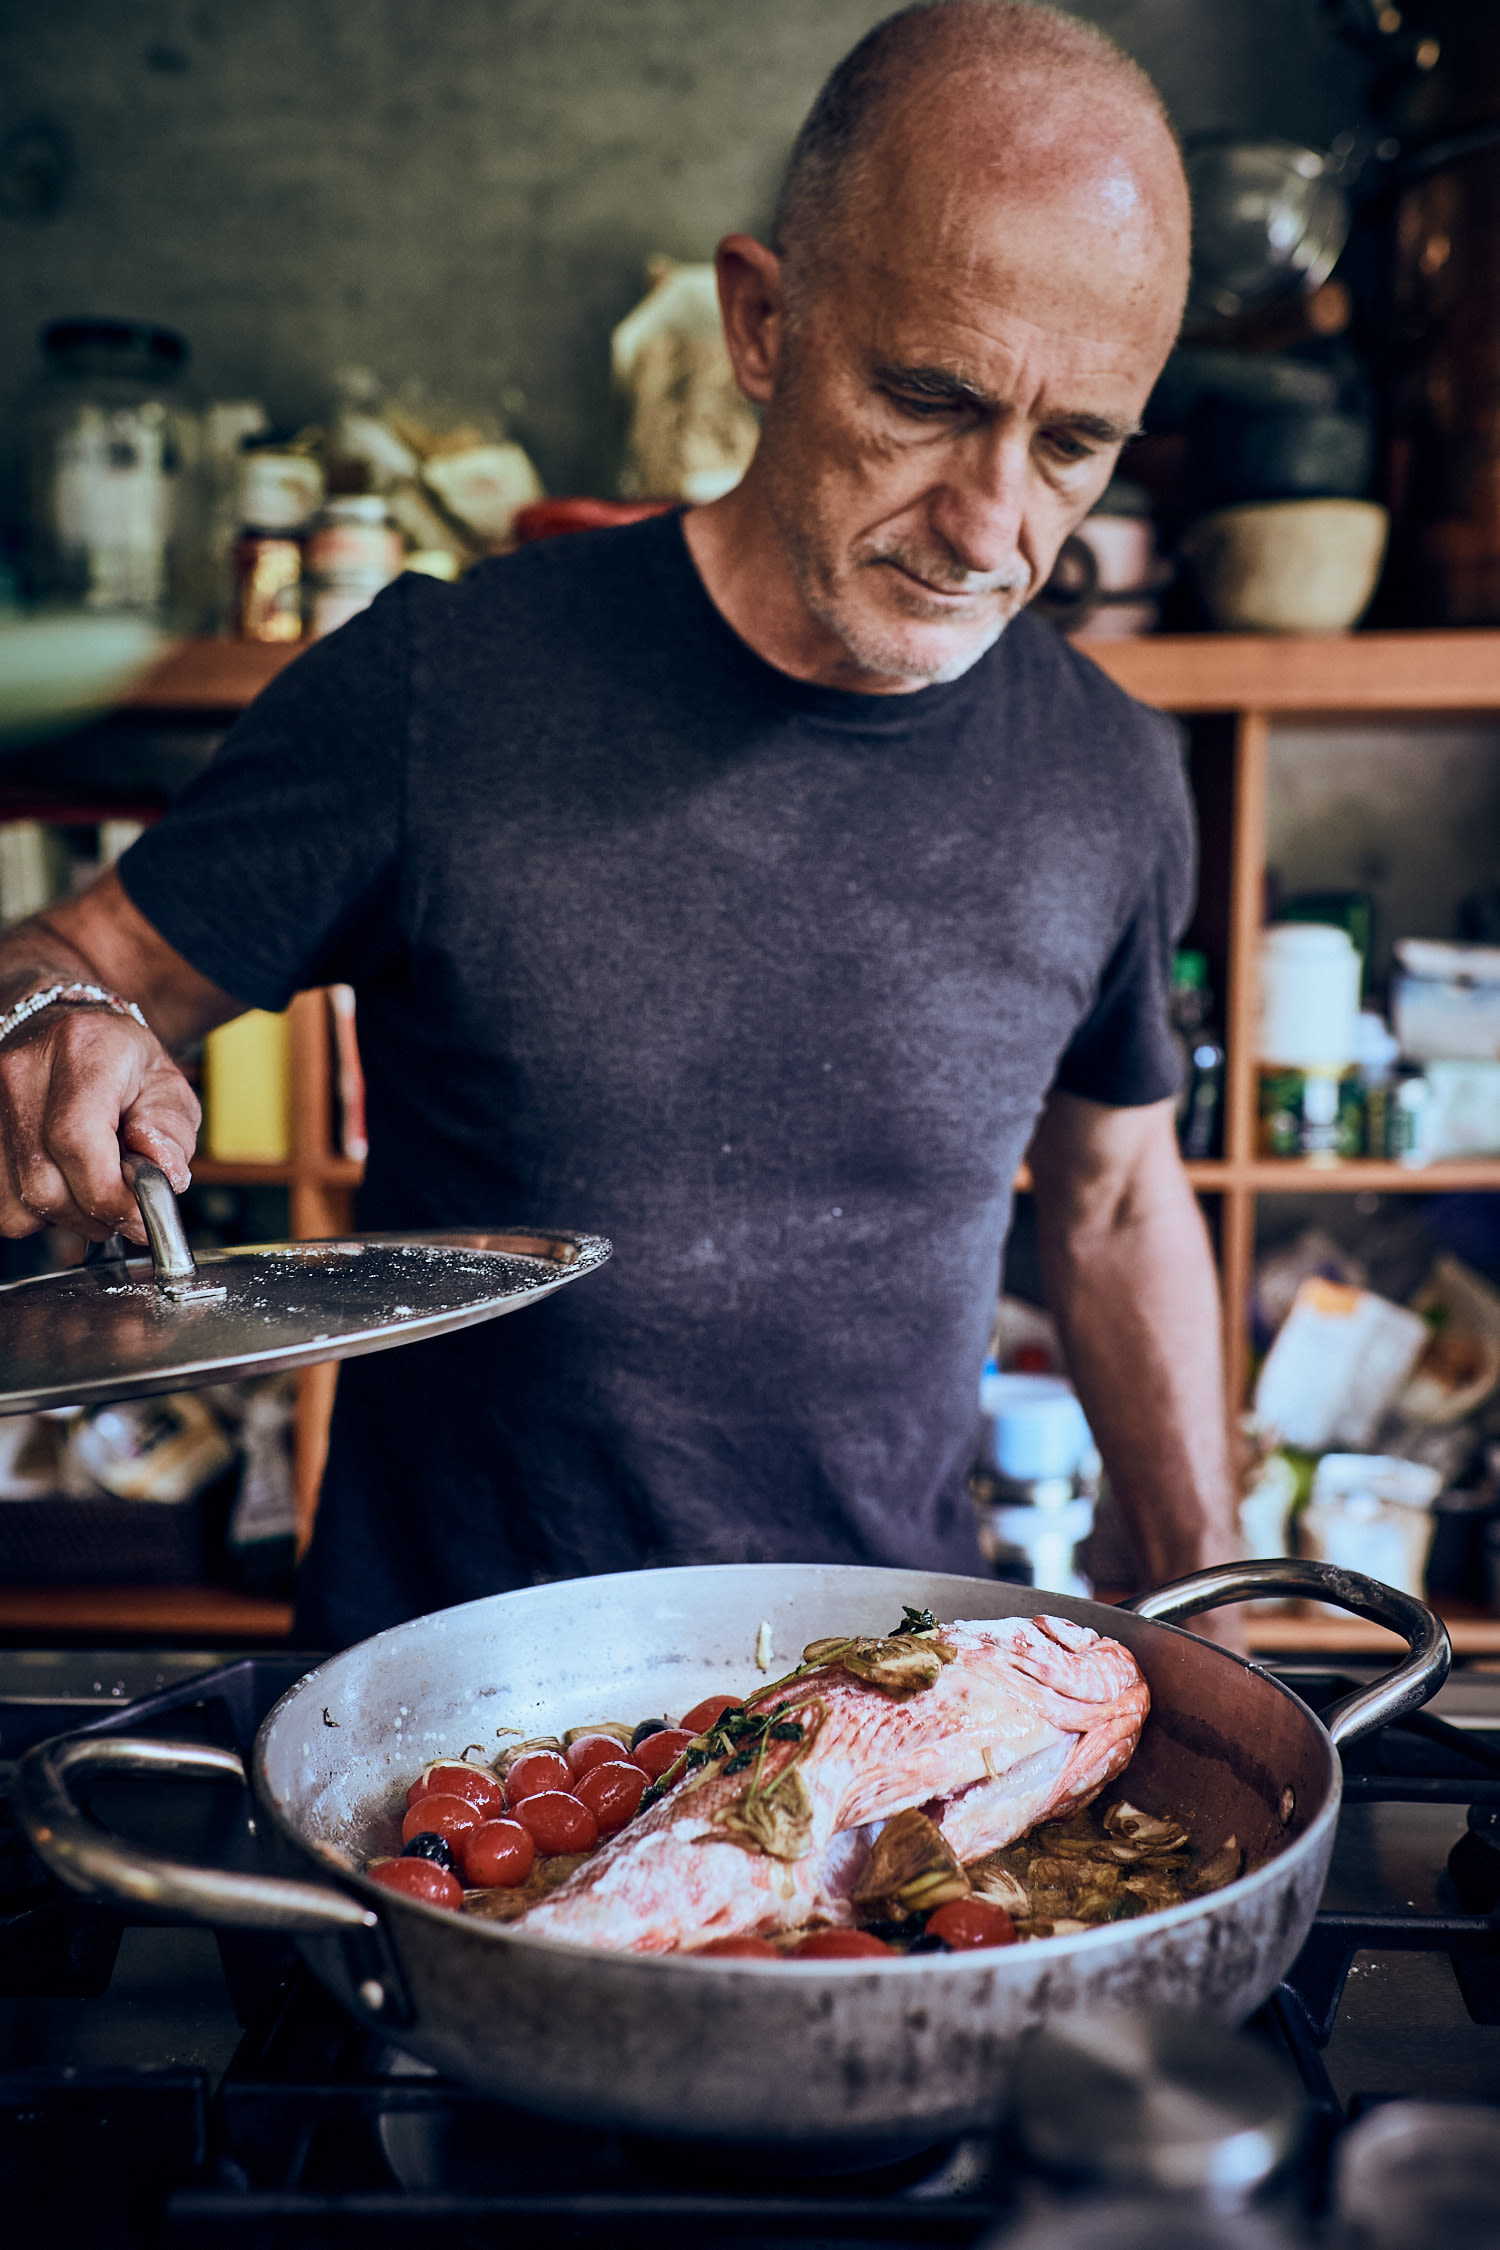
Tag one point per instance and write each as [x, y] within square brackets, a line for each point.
[1236, 686]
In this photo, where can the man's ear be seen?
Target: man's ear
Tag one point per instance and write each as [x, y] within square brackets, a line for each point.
[753, 307]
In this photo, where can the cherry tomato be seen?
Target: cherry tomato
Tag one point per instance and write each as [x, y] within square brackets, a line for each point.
[737, 1949]
[708, 1713]
[496, 1855]
[440, 1816]
[612, 1793]
[840, 1945]
[592, 1750]
[537, 1770]
[453, 1779]
[419, 1878]
[557, 1822]
[659, 1751]
[967, 1922]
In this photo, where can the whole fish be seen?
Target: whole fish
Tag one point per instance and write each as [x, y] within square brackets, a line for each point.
[1023, 1721]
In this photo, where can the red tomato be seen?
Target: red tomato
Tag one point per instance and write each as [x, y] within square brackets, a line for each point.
[496, 1855]
[967, 1922]
[440, 1815]
[557, 1822]
[840, 1945]
[537, 1770]
[737, 1949]
[419, 1878]
[612, 1793]
[659, 1751]
[592, 1750]
[453, 1779]
[709, 1712]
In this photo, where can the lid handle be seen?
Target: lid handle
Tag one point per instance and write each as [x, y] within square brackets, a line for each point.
[176, 1269]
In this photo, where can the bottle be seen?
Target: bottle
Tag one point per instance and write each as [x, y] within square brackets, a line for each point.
[116, 511]
[1201, 1097]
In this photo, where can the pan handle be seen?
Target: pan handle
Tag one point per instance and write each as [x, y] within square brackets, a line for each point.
[101, 1866]
[1413, 1683]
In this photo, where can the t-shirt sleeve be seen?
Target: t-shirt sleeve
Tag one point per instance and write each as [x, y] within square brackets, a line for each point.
[278, 868]
[1123, 1053]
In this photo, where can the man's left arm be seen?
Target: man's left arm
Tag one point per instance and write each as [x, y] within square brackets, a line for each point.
[1130, 1281]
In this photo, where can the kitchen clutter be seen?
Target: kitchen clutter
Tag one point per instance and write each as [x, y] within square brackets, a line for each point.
[1336, 1080]
[1374, 1438]
[191, 1488]
[149, 505]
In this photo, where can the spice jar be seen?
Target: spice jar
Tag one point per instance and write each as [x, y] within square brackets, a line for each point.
[116, 514]
[353, 551]
[279, 492]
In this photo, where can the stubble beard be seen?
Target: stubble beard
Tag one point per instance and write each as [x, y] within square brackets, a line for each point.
[831, 594]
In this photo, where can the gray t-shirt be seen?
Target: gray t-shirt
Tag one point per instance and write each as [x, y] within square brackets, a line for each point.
[767, 982]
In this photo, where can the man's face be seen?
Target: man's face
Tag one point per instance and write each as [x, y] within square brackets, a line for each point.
[953, 389]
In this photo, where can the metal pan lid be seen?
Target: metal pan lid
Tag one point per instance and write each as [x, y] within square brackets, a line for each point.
[124, 1325]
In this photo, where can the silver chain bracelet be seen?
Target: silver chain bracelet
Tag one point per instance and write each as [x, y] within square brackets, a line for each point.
[68, 995]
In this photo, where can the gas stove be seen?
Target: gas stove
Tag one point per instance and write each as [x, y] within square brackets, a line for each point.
[163, 2086]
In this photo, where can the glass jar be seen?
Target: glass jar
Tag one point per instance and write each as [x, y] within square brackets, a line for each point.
[115, 513]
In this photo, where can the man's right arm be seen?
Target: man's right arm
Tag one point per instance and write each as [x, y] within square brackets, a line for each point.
[79, 1084]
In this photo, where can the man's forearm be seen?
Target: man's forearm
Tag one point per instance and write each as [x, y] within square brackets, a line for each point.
[1137, 1301]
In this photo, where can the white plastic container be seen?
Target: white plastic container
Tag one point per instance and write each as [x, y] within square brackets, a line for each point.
[1309, 997]
[1035, 1428]
[1372, 1513]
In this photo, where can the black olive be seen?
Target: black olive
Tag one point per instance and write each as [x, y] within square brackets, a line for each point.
[646, 1729]
[929, 1942]
[429, 1845]
[892, 1932]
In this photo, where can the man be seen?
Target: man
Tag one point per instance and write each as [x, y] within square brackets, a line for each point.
[739, 886]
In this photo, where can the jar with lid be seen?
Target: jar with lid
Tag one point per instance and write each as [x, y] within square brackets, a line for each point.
[1310, 1104]
[279, 492]
[116, 511]
[353, 550]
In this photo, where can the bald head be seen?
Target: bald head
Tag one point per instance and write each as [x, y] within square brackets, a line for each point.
[1015, 100]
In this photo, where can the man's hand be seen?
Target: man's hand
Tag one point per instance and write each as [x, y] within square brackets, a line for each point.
[80, 1085]
[1130, 1280]
[77, 1086]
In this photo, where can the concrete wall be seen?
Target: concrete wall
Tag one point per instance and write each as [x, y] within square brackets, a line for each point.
[464, 191]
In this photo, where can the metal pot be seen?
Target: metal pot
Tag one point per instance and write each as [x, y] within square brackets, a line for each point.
[729, 2049]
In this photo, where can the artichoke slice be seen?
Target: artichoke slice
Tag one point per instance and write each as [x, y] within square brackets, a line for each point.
[1145, 1832]
[911, 1869]
[898, 1667]
[777, 1820]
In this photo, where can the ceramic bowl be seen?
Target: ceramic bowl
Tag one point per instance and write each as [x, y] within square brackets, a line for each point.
[1287, 566]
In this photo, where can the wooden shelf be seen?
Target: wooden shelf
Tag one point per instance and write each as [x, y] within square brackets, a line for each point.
[1298, 674]
[1302, 1632]
[328, 1171]
[209, 676]
[1366, 1177]
[1187, 672]
[175, 1611]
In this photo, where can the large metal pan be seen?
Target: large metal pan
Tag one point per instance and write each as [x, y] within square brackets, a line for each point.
[740, 2049]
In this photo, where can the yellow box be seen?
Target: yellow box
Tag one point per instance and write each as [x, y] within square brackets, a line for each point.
[247, 1107]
